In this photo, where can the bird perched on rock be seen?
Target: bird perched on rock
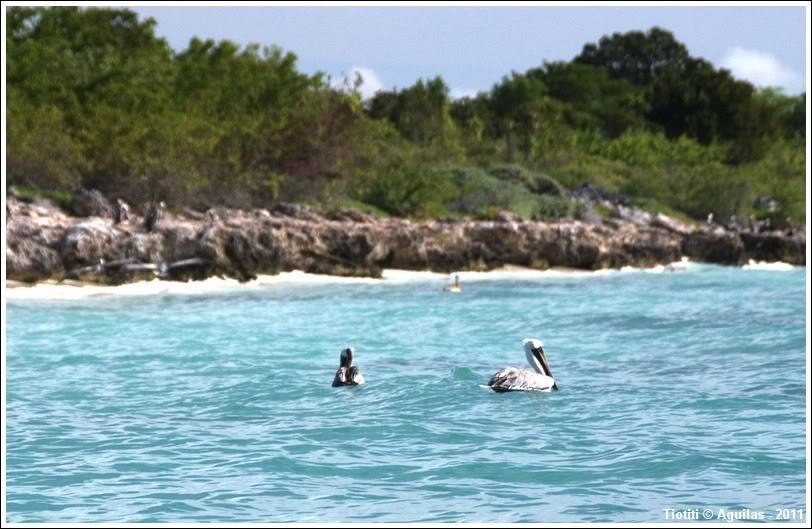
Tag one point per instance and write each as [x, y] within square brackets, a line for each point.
[212, 217]
[153, 215]
[121, 211]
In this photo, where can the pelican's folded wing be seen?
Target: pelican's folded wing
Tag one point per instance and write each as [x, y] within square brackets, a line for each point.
[341, 377]
[513, 379]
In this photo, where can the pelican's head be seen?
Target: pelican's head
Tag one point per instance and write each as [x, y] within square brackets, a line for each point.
[534, 349]
[533, 343]
[346, 358]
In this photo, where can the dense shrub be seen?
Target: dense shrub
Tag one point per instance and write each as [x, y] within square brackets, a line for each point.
[96, 100]
[479, 193]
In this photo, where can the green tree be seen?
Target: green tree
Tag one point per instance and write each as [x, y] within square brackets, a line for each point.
[95, 99]
[421, 113]
[638, 57]
[516, 103]
[105, 71]
[475, 121]
[614, 105]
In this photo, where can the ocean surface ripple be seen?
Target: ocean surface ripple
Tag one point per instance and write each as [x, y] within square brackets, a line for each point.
[678, 390]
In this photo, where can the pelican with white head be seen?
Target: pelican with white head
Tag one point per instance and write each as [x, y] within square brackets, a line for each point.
[539, 378]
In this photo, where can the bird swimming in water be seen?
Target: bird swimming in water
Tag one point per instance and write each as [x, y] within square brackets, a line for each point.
[153, 215]
[347, 374]
[455, 287]
[540, 378]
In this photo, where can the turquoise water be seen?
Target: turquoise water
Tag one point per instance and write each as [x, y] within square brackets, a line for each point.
[678, 390]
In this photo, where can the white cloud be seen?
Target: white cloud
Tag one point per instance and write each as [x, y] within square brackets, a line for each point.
[370, 81]
[459, 93]
[758, 67]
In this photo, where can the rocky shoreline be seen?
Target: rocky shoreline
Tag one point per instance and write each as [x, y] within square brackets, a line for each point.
[46, 243]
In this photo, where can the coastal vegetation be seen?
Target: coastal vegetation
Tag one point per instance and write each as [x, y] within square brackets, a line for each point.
[95, 99]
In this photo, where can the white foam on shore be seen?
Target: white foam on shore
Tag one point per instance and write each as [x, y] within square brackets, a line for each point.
[507, 272]
[297, 277]
[76, 290]
[682, 265]
[775, 266]
[51, 290]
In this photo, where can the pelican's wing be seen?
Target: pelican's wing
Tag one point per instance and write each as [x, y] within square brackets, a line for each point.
[514, 379]
[341, 377]
[503, 378]
[355, 376]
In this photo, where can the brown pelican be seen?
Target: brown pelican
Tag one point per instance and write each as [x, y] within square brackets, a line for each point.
[347, 374]
[454, 287]
[540, 378]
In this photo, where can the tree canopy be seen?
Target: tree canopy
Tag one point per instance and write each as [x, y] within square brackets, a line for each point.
[96, 99]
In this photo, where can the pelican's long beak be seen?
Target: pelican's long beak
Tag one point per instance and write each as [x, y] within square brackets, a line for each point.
[546, 366]
[543, 359]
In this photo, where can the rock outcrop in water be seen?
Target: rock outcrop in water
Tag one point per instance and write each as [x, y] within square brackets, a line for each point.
[43, 242]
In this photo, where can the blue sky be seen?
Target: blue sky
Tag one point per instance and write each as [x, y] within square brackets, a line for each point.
[472, 47]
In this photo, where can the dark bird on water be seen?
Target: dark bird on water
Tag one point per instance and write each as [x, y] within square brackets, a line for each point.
[347, 374]
[153, 215]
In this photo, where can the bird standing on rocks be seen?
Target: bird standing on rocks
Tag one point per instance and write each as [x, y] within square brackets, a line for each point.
[153, 215]
[121, 211]
[212, 217]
